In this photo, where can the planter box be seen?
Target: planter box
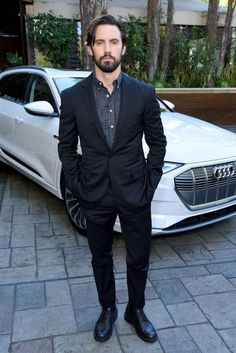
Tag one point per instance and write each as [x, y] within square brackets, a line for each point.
[216, 105]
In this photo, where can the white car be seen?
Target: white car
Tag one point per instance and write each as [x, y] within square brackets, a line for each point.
[198, 186]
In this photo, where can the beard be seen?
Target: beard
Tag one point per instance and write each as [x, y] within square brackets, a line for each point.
[107, 66]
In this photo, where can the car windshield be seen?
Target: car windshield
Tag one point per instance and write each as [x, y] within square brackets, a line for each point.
[66, 82]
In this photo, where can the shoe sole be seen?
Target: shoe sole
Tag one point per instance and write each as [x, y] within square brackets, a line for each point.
[103, 339]
[144, 338]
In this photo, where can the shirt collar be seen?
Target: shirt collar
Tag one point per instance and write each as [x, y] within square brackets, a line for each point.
[116, 82]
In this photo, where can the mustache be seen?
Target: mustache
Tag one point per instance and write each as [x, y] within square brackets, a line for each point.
[108, 54]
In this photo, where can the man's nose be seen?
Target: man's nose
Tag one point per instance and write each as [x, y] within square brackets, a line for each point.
[107, 47]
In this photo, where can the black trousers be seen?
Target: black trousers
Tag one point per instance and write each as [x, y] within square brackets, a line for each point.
[136, 230]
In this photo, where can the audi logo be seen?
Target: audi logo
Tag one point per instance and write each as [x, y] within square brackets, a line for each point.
[223, 172]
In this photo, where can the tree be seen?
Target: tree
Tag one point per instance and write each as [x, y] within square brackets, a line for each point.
[54, 36]
[153, 35]
[168, 37]
[211, 36]
[226, 36]
[87, 14]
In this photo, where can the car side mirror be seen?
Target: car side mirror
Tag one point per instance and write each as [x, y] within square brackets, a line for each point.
[169, 104]
[40, 108]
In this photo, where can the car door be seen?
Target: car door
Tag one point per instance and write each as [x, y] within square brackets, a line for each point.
[12, 90]
[34, 134]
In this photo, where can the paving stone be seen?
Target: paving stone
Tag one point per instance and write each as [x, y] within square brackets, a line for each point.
[84, 295]
[229, 336]
[85, 343]
[224, 253]
[187, 238]
[46, 273]
[5, 257]
[87, 317]
[233, 281]
[207, 284]
[23, 235]
[177, 272]
[61, 241]
[172, 291]
[30, 219]
[63, 228]
[174, 262]
[23, 256]
[227, 269]
[30, 295]
[231, 236]
[77, 253]
[36, 346]
[47, 257]
[207, 339]
[5, 242]
[44, 229]
[38, 208]
[186, 314]
[44, 322]
[17, 274]
[58, 293]
[5, 343]
[5, 229]
[193, 252]
[220, 309]
[21, 208]
[177, 340]
[165, 251]
[6, 309]
[6, 214]
[77, 268]
[212, 233]
[131, 344]
[219, 245]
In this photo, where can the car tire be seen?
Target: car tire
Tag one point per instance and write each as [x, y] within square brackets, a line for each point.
[74, 211]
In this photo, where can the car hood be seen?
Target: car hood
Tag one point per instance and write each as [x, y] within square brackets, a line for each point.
[191, 140]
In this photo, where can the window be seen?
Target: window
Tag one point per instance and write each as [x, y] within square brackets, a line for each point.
[12, 87]
[40, 91]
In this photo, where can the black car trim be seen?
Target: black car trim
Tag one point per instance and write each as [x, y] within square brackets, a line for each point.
[20, 162]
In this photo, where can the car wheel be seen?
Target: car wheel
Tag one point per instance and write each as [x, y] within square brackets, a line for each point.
[74, 211]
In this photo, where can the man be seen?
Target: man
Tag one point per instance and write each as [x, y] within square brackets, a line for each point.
[110, 111]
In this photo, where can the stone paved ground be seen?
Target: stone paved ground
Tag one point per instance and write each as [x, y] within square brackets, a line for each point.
[48, 301]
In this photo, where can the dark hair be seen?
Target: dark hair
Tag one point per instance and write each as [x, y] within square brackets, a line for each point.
[104, 20]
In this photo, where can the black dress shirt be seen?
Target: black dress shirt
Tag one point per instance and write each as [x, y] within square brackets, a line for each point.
[108, 106]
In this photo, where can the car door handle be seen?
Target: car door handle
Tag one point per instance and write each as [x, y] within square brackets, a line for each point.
[18, 120]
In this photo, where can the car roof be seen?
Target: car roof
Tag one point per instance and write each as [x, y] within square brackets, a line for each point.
[51, 72]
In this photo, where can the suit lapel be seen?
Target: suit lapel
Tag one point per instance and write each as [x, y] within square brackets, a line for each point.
[89, 101]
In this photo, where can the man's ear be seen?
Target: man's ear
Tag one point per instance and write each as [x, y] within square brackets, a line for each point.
[124, 50]
[89, 50]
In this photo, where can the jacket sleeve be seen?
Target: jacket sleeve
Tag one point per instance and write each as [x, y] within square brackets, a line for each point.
[156, 141]
[68, 142]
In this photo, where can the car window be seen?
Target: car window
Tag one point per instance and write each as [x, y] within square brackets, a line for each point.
[40, 91]
[12, 87]
[66, 82]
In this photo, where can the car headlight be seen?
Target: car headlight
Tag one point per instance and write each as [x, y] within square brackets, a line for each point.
[169, 166]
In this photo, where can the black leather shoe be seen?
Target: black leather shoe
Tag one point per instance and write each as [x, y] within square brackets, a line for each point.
[104, 325]
[144, 328]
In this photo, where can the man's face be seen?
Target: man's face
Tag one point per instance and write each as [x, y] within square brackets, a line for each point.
[107, 49]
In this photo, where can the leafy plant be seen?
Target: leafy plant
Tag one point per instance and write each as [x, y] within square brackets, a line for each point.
[136, 58]
[54, 36]
[13, 59]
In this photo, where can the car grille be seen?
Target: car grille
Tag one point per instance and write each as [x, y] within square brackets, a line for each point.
[203, 187]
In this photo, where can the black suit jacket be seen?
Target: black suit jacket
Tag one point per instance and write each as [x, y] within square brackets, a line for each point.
[133, 179]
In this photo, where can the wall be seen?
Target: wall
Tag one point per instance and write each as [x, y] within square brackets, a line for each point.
[216, 105]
